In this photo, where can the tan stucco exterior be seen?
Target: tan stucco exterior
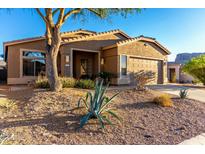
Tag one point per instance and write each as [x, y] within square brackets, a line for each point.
[181, 77]
[145, 56]
[92, 47]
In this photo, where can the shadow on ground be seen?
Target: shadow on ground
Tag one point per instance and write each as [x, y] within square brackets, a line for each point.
[138, 105]
[67, 123]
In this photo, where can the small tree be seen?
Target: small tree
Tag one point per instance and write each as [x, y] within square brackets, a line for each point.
[143, 77]
[196, 68]
[54, 20]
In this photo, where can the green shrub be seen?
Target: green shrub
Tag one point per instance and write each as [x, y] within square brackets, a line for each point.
[183, 93]
[106, 76]
[68, 82]
[4, 137]
[196, 68]
[97, 106]
[42, 83]
[85, 84]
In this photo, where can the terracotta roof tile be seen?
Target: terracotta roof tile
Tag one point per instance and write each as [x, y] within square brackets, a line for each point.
[139, 38]
[43, 37]
[94, 35]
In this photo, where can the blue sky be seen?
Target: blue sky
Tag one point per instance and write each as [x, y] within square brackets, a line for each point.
[179, 30]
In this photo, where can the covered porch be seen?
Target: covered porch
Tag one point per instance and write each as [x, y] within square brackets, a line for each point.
[82, 63]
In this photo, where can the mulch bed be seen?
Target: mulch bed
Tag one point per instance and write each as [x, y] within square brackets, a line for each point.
[45, 117]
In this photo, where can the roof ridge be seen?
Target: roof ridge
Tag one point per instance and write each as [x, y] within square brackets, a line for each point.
[147, 37]
[127, 40]
[94, 34]
[133, 39]
[25, 39]
[42, 36]
[77, 30]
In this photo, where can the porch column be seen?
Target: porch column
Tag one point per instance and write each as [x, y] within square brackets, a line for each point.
[71, 63]
[67, 64]
[99, 61]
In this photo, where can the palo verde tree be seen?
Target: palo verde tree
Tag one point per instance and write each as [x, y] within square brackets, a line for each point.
[196, 68]
[54, 20]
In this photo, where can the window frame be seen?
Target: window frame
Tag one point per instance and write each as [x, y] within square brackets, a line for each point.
[24, 57]
[122, 75]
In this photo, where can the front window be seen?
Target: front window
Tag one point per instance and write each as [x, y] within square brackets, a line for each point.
[123, 65]
[33, 63]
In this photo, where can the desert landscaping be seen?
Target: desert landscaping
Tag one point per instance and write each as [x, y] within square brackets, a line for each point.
[39, 116]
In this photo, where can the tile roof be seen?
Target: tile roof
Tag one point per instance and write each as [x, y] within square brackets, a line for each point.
[139, 38]
[94, 35]
[43, 37]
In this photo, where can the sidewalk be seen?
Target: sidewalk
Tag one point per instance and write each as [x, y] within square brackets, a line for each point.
[198, 140]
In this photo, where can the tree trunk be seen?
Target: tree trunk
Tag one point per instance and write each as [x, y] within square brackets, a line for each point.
[53, 45]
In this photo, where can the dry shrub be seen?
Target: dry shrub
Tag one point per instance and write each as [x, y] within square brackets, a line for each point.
[143, 77]
[7, 104]
[163, 100]
[68, 82]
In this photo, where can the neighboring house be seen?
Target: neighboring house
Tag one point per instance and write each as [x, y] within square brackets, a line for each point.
[175, 73]
[86, 53]
[2, 71]
[2, 64]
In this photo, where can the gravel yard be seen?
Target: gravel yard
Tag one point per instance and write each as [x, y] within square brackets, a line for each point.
[43, 117]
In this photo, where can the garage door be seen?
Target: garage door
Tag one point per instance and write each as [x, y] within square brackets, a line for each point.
[139, 64]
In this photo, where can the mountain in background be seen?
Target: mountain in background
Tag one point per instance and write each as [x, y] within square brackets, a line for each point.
[182, 58]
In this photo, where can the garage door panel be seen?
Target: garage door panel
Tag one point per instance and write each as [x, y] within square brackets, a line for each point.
[139, 64]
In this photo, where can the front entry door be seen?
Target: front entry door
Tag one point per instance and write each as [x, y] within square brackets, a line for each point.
[172, 75]
[84, 64]
[83, 67]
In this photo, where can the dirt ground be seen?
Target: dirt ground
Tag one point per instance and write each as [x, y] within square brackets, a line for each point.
[43, 117]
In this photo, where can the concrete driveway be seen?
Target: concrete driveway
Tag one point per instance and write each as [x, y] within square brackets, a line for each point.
[193, 92]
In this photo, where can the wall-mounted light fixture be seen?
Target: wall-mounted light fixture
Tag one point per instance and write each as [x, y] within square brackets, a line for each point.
[146, 44]
[67, 59]
[102, 62]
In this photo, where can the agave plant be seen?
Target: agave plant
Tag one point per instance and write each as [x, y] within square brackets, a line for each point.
[4, 137]
[97, 106]
[183, 93]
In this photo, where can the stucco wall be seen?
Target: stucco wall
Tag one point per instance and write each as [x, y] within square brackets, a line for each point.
[177, 71]
[92, 44]
[140, 49]
[14, 60]
[145, 50]
[111, 56]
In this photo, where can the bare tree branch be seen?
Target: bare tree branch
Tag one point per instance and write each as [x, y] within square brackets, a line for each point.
[49, 17]
[41, 15]
[60, 18]
[55, 11]
[74, 11]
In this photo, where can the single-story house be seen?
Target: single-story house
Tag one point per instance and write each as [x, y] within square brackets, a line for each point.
[175, 73]
[84, 52]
